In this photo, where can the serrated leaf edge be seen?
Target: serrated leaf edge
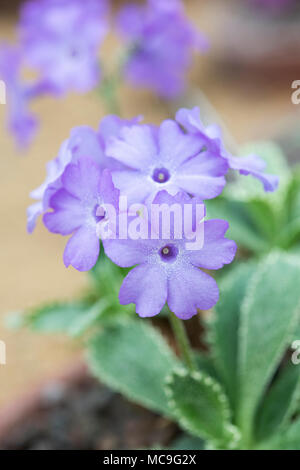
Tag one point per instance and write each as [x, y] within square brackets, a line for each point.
[209, 382]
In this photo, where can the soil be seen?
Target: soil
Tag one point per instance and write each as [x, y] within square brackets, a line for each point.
[85, 415]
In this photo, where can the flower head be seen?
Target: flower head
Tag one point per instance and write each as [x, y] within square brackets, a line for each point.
[164, 158]
[75, 210]
[61, 39]
[212, 142]
[83, 142]
[161, 41]
[167, 272]
[20, 121]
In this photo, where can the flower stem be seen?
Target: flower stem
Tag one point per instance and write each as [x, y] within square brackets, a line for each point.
[108, 91]
[183, 341]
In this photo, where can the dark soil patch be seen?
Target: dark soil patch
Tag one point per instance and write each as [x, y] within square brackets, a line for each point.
[85, 415]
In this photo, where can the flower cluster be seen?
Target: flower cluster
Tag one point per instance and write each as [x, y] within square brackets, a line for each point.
[179, 163]
[59, 40]
[20, 120]
[51, 46]
[161, 41]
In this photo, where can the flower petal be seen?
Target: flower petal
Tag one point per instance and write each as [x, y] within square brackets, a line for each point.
[85, 142]
[82, 179]
[33, 213]
[67, 216]
[133, 185]
[127, 253]
[82, 250]
[255, 166]
[195, 179]
[174, 145]
[190, 289]
[217, 250]
[135, 148]
[146, 287]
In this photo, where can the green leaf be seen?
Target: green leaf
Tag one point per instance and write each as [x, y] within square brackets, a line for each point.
[201, 407]
[106, 279]
[280, 402]
[287, 440]
[55, 317]
[72, 318]
[264, 218]
[186, 442]
[205, 363]
[133, 358]
[224, 325]
[242, 227]
[290, 234]
[292, 202]
[269, 315]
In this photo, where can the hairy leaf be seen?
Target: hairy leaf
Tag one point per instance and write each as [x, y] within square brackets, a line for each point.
[201, 407]
[133, 358]
[269, 316]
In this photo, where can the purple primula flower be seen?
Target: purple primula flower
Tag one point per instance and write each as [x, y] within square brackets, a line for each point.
[211, 138]
[75, 210]
[83, 142]
[21, 122]
[61, 39]
[164, 158]
[167, 272]
[19, 93]
[161, 41]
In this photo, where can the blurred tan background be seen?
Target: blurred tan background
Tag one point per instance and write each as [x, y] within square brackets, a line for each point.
[32, 269]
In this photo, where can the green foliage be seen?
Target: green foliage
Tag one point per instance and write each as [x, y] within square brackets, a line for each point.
[254, 325]
[98, 307]
[268, 318]
[132, 358]
[201, 407]
[187, 442]
[58, 317]
[242, 228]
[288, 439]
[244, 394]
[224, 326]
[259, 221]
[279, 403]
[106, 279]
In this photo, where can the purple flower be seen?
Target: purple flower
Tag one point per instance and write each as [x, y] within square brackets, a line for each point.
[164, 158]
[61, 39]
[83, 142]
[75, 210]
[211, 138]
[19, 93]
[166, 271]
[20, 121]
[161, 41]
